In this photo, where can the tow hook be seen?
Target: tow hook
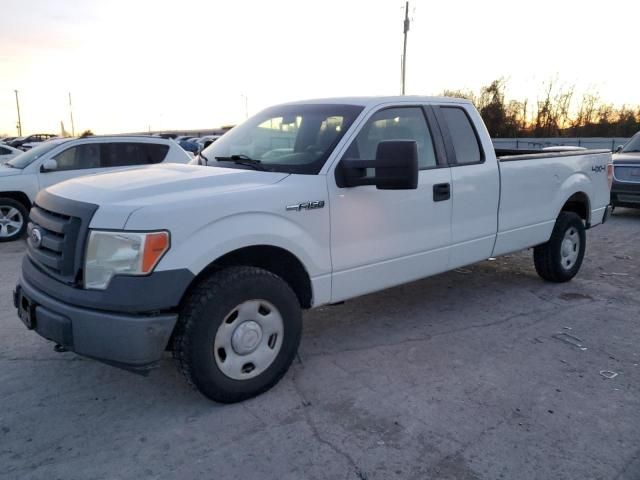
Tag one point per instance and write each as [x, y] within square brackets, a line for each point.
[60, 348]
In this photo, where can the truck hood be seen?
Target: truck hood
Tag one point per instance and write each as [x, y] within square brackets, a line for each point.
[144, 186]
[631, 157]
[119, 194]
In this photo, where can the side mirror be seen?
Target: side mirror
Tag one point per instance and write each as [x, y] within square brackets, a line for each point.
[49, 165]
[395, 166]
[619, 148]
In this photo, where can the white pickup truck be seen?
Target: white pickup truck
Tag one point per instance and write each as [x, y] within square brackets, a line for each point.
[304, 204]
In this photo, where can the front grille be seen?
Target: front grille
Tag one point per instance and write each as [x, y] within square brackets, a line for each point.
[56, 235]
[627, 173]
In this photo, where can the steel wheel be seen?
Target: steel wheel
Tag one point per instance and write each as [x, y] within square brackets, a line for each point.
[11, 221]
[570, 248]
[248, 340]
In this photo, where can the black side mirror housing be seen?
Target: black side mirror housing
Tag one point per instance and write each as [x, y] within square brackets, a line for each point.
[619, 149]
[396, 167]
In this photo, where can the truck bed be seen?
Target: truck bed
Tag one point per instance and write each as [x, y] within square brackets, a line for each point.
[532, 193]
[509, 155]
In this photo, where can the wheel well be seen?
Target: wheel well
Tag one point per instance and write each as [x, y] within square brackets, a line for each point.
[274, 259]
[578, 203]
[18, 197]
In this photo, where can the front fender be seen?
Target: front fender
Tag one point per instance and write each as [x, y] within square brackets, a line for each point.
[227, 234]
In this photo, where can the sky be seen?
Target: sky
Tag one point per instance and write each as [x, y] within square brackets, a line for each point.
[135, 65]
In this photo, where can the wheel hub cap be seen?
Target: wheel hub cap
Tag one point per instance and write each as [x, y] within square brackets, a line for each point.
[570, 248]
[246, 337]
[249, 339]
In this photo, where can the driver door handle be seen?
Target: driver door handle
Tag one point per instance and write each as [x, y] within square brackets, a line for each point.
[441, 192]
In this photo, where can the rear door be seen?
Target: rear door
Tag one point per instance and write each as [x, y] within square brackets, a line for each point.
[475, 185]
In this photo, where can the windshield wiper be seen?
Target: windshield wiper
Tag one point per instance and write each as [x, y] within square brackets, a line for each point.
[243, 160]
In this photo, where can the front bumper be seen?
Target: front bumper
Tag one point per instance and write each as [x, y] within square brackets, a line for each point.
[133, 341]
[625, 194]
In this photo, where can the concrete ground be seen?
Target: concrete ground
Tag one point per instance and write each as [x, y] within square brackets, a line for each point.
[482, 373]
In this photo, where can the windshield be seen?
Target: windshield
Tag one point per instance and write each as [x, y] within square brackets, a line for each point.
[289, 138]
[26, 158]
[632, 145]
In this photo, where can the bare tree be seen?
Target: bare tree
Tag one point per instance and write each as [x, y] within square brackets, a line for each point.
[552, 114]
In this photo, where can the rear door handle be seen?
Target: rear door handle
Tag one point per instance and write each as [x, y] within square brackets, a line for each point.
[441, 192]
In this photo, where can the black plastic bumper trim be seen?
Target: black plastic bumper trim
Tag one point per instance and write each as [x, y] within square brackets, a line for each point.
[134, 341]
[125, 294]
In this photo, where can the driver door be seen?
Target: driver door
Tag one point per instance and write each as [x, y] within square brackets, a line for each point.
[382, 238]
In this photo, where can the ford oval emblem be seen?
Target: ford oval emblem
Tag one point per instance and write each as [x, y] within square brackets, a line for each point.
[36, 237]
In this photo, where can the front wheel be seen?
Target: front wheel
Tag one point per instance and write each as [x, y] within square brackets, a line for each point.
[238, 333]
[559, 259]
[13, 219]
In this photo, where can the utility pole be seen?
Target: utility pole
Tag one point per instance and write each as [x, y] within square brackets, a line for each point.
[19, 125]
[404, 48]
[73, 129]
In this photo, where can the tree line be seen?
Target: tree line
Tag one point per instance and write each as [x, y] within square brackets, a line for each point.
[557, 113]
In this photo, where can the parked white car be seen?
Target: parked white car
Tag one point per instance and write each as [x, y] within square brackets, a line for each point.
[304, 204]
[7, 153]
[54, 161]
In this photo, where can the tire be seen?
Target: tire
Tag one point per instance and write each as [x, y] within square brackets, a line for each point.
[559, 259]
[238, 332]
[14, 217]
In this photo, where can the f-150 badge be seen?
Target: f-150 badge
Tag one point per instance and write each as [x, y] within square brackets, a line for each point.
[306, 206]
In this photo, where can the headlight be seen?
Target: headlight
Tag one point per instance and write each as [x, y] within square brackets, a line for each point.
[121, 253]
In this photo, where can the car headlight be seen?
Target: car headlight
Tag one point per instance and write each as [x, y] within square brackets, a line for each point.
[121, 253]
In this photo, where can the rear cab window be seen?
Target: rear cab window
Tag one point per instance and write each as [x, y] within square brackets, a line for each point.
[461, 138]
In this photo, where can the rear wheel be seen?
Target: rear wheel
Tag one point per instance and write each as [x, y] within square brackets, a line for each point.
[13, 219]
[559, 259]
[238, 333]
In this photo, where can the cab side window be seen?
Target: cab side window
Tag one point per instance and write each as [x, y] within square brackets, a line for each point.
[124, 154]
[463, 136]
[402, 123]
[79, 157]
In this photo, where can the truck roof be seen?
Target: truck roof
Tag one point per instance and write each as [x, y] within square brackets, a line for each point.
[373, 101]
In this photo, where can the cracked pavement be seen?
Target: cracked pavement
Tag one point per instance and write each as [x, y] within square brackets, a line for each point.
[459, 376]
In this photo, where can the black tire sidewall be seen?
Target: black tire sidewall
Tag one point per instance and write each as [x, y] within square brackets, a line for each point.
[9, 202]
[211, 313]
[565, 222]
